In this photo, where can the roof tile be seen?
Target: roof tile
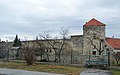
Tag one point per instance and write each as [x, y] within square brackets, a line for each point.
[114, 42]
[94, 22]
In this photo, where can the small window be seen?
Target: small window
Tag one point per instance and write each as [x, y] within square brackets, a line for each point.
[105, 45]
[94, 52]
[94, 36]
[50, 51]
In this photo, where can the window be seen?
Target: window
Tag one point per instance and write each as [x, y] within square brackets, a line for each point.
[50, 51]
[105, 45]
[94, 36]
[94, 52]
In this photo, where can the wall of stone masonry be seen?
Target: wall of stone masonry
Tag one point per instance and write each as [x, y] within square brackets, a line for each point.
[77, 43]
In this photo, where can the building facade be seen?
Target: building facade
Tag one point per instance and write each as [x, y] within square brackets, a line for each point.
[92, 46]
[94, 42]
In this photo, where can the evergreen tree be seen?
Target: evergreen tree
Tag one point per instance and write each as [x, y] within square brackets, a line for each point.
[19, 42]
[16, 42]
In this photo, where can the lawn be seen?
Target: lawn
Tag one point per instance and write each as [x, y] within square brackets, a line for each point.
[115, 72]
[43, 68]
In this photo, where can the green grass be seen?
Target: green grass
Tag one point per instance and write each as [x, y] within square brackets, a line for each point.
[115, 72]
[44, 68]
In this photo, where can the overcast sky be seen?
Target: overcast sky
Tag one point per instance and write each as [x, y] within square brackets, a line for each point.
[28, 18]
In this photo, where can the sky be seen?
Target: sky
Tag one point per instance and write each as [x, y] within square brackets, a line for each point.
[29, 18]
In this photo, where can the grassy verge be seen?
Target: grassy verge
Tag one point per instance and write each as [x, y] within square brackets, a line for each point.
[115, 72]
[44, 68]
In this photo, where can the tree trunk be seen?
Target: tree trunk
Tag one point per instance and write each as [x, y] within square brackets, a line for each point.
[117, 62]
[41, 53]
[100, 53]
[29, 63]
[59, 57]
[47, 55]
[71, 56]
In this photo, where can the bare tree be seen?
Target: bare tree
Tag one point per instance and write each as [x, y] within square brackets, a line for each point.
[28, 50]
[99, 46]
[53, 43]
[43, 44]
[117, 56]
[64, 37]
[4, 50]
[40, 49]
[96, 40]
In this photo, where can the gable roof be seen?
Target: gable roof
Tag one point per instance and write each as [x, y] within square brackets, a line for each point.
[114, 42]
[94, 22]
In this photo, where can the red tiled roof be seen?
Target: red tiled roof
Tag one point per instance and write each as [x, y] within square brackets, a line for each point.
[113, 42]
[94, 22]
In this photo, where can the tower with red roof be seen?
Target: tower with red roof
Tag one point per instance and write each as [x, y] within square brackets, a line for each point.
[91, 30]
[94, 43]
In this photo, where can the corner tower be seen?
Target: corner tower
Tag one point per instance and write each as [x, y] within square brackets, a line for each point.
[92, 29]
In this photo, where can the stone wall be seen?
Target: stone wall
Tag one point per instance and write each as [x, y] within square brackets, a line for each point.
[77, 43]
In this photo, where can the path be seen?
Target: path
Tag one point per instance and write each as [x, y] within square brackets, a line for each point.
[95, 72]
[6, 71]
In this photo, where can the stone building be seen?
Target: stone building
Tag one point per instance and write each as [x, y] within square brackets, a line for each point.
[92, 45]
[94, 42]
[94, 32]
